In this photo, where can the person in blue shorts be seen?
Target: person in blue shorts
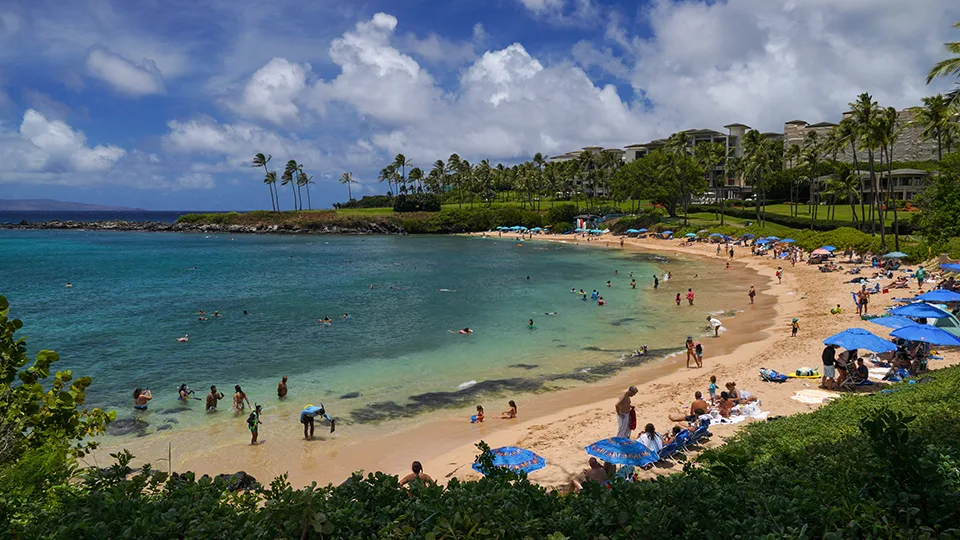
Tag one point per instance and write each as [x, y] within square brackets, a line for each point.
[307, 416]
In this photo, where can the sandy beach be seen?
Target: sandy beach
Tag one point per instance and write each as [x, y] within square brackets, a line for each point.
[557, 425]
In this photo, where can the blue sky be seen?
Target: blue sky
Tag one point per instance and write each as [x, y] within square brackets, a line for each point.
[161, 104]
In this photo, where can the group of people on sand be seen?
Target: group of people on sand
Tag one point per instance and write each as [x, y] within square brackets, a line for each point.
[508, 414]
[142, 397]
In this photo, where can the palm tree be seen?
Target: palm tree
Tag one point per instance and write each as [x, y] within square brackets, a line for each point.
[347, 178]
[935, 119]
[845, 185]
[270, 179]
[586, 163]
[464, 177]
[678, 143]
[400, 162]
[950, 66]
[756, 165]
[710, 155]
[260, 160]
[453, 170]
[437, 177]
[792, 155]
[539, 162]
[865, 115]
[847, 135]
[889, 129]
[305, 181]
[416, 175]
[289, 177]
[386, 173]
[810, 157]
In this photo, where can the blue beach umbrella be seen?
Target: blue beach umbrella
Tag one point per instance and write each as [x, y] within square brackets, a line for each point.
[939, 295]
[895, 255]
[893, 321]
[536, 229]
[763, 241]
[920, 310]
[773, 238]
[622, 451]
[578, 229]
[716, 235]
[858, 338]
[516, 459]
[788, 241]
[641, 230]
[667, 233]
[690, 235]
[632, 231]
[951, 267]
[831, 249]
[927, 334]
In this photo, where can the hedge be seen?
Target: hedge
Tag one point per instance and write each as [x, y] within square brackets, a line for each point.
[905, 227]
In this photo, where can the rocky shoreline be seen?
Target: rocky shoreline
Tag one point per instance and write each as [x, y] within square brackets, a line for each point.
[153, 226]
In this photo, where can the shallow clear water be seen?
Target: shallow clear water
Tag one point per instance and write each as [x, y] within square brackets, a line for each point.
[133, 294]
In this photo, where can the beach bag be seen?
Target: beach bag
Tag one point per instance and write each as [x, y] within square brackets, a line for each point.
[633, 418]
[750, 410]
[769, 375]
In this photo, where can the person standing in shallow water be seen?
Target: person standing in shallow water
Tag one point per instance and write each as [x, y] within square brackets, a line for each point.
[282, 388]
[690, 296]
[239, 398]
[656, 283]
[752, 293]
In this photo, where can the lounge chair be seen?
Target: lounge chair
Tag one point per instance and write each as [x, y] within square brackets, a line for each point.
[674, 447]
[702, 433]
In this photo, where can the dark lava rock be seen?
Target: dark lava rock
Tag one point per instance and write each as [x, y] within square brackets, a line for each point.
[239, 480]
[126, 426]
[524, 366]
[164, 427]
[350, 395]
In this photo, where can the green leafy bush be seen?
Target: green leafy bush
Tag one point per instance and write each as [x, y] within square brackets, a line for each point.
[419, 202]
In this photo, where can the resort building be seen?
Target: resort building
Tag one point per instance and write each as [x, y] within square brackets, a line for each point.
[909, 146]
[907, 183]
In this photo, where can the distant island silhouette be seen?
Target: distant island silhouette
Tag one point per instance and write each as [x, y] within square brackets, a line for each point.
[29, 205]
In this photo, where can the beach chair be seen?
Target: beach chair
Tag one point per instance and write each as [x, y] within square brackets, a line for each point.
[702, 433]
[676, 446]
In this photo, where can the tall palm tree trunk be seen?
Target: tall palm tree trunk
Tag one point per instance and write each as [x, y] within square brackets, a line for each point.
[310, 205]
[896, 220]
[856, 169]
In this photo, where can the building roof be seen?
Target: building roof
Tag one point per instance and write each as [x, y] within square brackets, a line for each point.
[821, 124]
[728, 126]
[797, 122]
[635, 146]
[593, 148]
[614, 150]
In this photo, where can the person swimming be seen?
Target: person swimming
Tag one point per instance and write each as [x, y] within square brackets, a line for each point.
[184, 339]
[346, 316]
[600, 301]
[465, 330]
[245, 312]
[68, 285]
[216, 313]
[550, 313]
[184, 393]
[530, 325]
[201, 312]
[325, 321]
[447, 290]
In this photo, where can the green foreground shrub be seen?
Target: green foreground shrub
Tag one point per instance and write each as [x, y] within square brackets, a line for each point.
[865, 466]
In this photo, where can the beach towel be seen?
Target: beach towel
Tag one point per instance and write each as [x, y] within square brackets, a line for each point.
[769, 375]
[633, 418]
[805, 373]
[813, 397]
[623, 425]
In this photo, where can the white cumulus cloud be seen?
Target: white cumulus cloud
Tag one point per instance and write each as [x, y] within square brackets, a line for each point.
[124, 75]
[272, 92]
[55, 145]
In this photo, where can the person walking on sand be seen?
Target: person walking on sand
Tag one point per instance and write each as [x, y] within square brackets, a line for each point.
[690, 296]
[794, 327]
[752, 293]
[623, 409]
[829, 358]
[731, 252]
[921, 276]
[282, 388]
[253, 422]
[779, 274]
[656, 283]
[691, 351]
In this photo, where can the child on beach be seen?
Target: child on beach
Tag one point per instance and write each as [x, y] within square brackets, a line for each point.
[678, 299]
[713, 389]
[690, 296]
[795, 326]
[752, 293]
[477, 418]
[779, 274]
[698, 349]
[253, 422]
[837, 310]
[512, 413]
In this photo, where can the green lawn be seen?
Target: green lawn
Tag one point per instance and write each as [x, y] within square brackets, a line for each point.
[844, 213]
[707, 220]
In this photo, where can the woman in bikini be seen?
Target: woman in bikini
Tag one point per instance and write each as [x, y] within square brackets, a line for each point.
[140, 398]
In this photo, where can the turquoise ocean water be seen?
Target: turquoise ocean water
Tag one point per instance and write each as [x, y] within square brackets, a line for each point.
[133, 294]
